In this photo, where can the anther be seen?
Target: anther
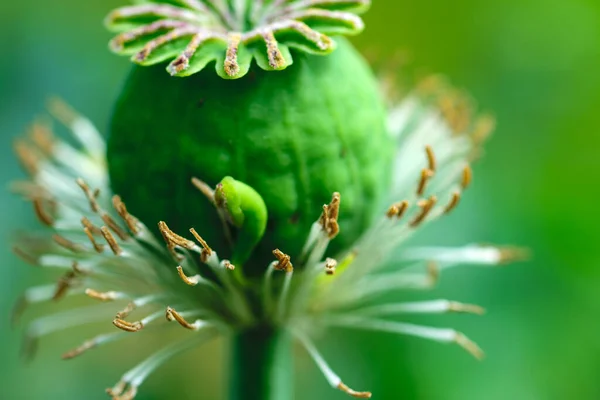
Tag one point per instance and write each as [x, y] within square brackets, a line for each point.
[206, 250]
[330, 265]
[28, 258]
[41, 212]
[128, 326]
[89, 225]
[433, 272]
[453, 202]
[102, 296]
[426, 174]
[353, 393]
[41, 136]
[67, 244]
[89, 194]
[189, 280]
[283, 261]
[110, 239]
[512, 254]
[431, 161]
[329, 217]
[227, 265]
[397, 210]
[484, 126]
[126, 311]
[173, 315]
[114, 227]
[64, 284]
[467, 177]
[174, 239]
[131, 222]
[98, 247]
[426, 207]
[79, 350]
[28, 159]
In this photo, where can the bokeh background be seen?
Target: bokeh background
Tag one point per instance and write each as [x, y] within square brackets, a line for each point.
[534, 63]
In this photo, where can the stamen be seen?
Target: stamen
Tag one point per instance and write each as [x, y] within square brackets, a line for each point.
[333, 379]
[397, 210]
[329, 217]
[430, 158]
[227, 265]
[190, 280]
[103, 296]
[453, 202]
[90, 226]
[90, 344]
[330, 265]
[128, 326]
[283, 261]
[174, 239]
[114, 227]
[41, 213]
[173, 315]
[28, 258]
[426, 206]
[205, 189]
[67, 244]
[130, 220]
[41, 136]
[436, 334]
[484, 126]
[28, 159]
[206, 250]
[422, 307]
[110, 239]
[124, 313]
[63, 285]
[467, 177]
[472, 254]
[426, 174]
[98, 247]
[89, 194]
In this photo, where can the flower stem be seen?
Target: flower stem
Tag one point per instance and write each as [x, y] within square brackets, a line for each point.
[262, 365]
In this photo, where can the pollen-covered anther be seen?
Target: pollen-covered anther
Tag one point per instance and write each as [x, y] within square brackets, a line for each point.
[128, 326]
[467, 177]
[103, 296]
[431, 161]
[232, 67]
[112, 242]
[329, 217]
[206, 251]
[172, 239]
[131, 222]
[359, 395]
[67, 244]
[330, 266]
[426, 207]
[189, 280]
[173, 315]
[89, 194]
[453, 203]
[41, 213]
[99, 248]
[283, 261]
[397, 210]
[426, 175]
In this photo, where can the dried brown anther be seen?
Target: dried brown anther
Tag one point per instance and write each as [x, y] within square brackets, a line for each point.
[172, 239]
[91, 196]
[131, 222]
[64, 284]
[426, 174]
[67, 244]
[29, 160]
[206, 250]
[112, 242]
[102, 296]
[353, 393]
[128, 326]
[113, 226]
[192, 281]
[79, 350]
[126, 311]
[41, 213]
[467, 177]
[228, 265]
[98, 247]
[431, 161]
[329, 217]
[173, 315]
[283, 261]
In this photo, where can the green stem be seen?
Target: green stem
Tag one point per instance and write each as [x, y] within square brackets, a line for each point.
[262, 365]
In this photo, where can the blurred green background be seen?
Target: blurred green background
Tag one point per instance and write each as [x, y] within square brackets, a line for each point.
[534, 63]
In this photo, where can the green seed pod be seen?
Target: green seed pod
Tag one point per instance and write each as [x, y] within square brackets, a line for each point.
[294, 136]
